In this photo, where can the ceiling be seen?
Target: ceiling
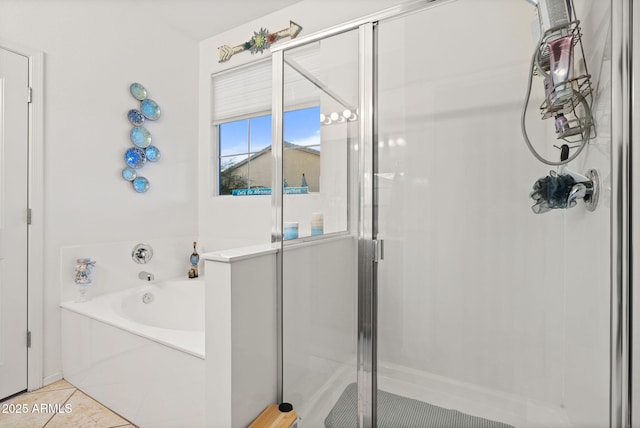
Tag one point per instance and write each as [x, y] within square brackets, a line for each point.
[201, 19]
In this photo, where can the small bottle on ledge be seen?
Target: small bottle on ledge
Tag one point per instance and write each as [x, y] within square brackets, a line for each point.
[83, 277]
[194, 259]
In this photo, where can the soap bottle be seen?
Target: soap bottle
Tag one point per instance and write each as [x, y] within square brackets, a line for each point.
[562, 124]
[194, 260]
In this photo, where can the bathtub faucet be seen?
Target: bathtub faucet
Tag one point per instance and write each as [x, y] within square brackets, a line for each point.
[145, 276]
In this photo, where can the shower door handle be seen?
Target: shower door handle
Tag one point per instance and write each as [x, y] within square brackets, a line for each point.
[378, 250]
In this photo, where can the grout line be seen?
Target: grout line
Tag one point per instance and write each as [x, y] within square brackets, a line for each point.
[62, 405]
[97, 404]
[108, 409]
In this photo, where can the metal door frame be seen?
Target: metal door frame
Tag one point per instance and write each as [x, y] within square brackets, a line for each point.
[625, 163]
[367, 225]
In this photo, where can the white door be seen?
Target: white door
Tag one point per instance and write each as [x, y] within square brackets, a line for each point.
[14, 113]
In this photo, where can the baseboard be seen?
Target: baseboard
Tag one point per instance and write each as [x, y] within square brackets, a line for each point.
[51, 378]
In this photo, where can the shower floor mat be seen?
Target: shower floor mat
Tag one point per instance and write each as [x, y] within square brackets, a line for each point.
[395, 411]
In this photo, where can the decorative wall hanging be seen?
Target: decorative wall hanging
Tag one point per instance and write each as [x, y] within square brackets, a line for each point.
[142, 151]
[260, 41]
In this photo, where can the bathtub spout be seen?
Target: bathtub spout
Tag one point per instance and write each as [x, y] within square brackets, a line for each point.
[145, 276]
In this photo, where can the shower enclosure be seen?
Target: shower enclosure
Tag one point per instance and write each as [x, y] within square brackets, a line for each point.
[431, 285]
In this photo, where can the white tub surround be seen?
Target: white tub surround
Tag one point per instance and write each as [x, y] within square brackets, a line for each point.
[124, 352]
[241, 335]
[174, 315]
[241, 319]
[115, 269]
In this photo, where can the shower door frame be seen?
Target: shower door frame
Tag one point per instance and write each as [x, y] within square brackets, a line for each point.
[625, 126]
[623, 15]
[368, 246]
[623, 302]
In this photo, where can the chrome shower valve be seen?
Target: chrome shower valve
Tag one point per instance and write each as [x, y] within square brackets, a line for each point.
[142, 253]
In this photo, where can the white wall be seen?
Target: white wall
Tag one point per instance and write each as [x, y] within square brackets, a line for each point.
[115, 269]
[587, 243]
[93, 51]
[240, 335]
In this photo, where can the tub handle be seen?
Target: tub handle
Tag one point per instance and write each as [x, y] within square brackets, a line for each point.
[142, 253]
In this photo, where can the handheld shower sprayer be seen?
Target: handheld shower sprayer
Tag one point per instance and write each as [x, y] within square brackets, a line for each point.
[562, 190]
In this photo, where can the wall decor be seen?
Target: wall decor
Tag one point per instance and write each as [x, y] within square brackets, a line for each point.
[142, 151]
[260, 41]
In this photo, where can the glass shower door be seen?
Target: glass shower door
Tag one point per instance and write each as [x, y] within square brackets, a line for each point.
[319, 265]
[487, 313]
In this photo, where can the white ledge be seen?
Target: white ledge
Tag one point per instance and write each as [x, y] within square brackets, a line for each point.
[242, 253]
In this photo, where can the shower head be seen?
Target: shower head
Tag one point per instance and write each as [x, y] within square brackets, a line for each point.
[533, 2]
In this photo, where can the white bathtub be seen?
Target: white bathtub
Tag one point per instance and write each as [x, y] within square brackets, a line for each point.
[140, 352]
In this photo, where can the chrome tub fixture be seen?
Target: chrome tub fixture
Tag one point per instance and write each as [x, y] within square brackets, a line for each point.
[142, 253]
[146, 276]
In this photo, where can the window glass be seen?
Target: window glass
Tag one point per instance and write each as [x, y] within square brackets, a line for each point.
[244, 159]
[234, 138]
[260, 133]
[302, 127]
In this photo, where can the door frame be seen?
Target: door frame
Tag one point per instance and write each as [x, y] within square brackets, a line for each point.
[35, 231]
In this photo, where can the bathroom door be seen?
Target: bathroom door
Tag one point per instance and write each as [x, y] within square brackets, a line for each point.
[14, 74]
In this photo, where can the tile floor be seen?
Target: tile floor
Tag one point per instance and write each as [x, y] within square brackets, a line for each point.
[59, 405]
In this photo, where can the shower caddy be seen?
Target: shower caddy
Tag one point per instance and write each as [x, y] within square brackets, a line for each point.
[582, 121]
[576, 108]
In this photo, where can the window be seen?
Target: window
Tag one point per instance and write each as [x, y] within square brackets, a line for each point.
[244, 152]
[243, 145]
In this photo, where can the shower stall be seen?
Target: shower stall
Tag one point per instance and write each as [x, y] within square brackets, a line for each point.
[420, 284]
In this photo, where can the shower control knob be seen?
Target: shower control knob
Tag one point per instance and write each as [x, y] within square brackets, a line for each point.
[142, 253]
